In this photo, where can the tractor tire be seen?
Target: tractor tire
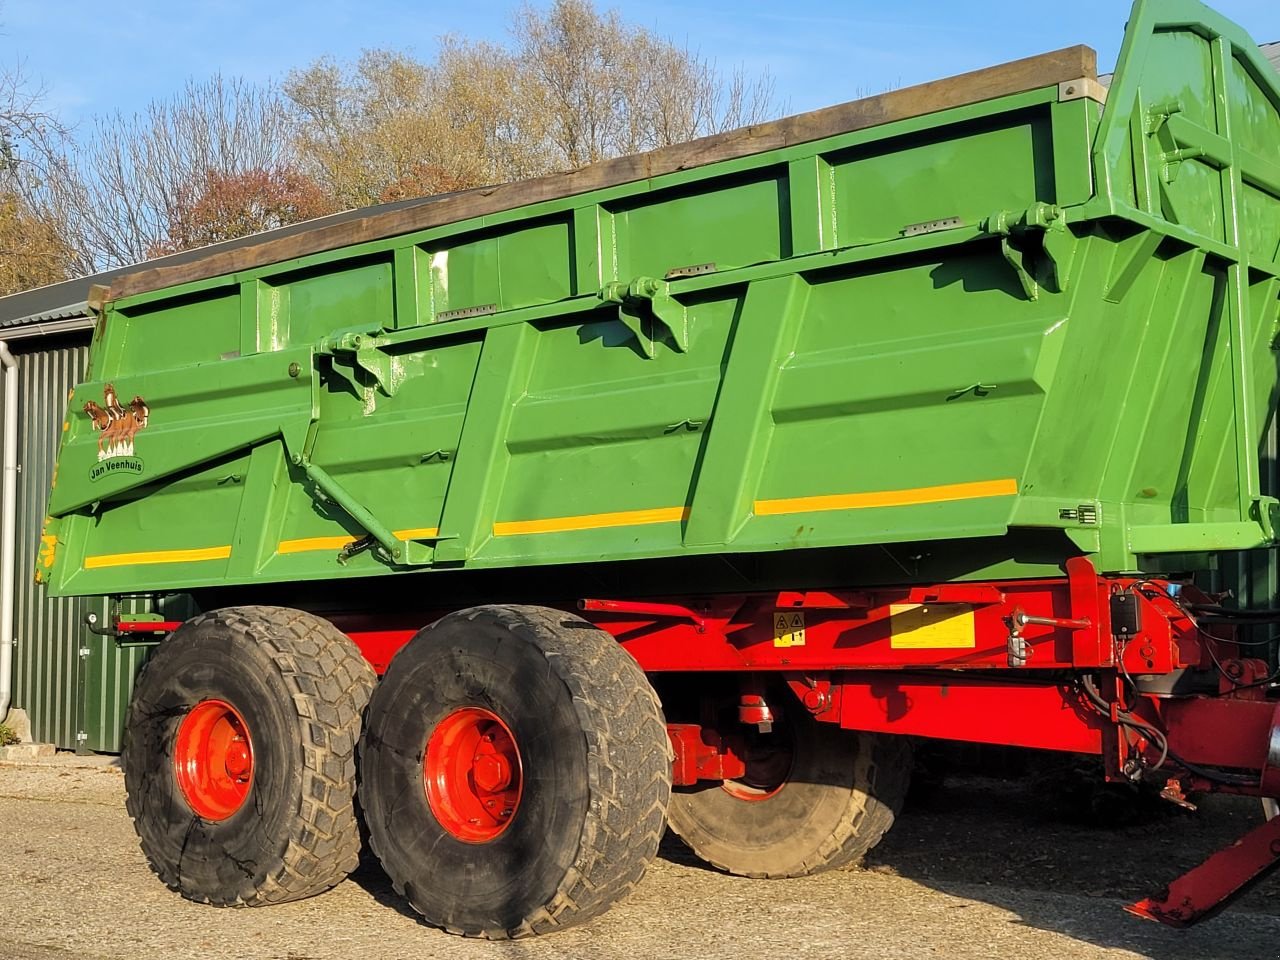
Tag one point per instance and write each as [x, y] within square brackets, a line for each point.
[515, 770]
[239, 759]
[831, 798]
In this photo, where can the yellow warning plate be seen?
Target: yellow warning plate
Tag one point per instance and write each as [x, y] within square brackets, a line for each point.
[931, 626]
[788, 628]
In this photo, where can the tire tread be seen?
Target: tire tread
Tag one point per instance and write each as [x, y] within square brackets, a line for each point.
[871, 811]
[331, 682]
[629, 768]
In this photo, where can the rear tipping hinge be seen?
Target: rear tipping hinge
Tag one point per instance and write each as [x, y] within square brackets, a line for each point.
[1266, 511]
[1036, 243]
[644, 303]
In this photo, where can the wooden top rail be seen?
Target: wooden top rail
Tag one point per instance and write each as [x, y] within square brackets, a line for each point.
[1050, 69]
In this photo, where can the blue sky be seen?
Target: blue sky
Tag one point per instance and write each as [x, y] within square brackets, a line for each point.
[99, 55]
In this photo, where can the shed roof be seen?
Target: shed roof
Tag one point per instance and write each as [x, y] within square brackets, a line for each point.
[61, 302]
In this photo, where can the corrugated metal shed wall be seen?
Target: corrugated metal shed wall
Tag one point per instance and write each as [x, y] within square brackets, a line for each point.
[73, 684]
[47, 632]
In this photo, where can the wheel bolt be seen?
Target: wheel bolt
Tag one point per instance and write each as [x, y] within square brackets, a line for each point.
[491, 773]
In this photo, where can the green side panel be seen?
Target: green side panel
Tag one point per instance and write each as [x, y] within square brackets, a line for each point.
[501, 269]
[601, 430]
[1032, 315]
[209, 330]
[317, 302]
[1004, 162]
[869, 374]
[737, 222]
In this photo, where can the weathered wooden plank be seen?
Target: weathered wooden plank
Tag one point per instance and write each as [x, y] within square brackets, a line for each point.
[1047, 70]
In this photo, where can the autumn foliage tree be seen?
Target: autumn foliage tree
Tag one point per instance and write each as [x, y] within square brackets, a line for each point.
[32, 252]
[370, 130]
[224, 206]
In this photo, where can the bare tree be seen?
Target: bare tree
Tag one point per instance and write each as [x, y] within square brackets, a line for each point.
[122, 192]
[28, 132]
[223, 157]
[576, 86]
[32, 250]
[605, 88]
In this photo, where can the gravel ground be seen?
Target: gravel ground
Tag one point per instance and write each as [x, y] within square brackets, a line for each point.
[977, 869]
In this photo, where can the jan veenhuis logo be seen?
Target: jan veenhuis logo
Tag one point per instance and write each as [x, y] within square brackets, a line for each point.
[117, 427]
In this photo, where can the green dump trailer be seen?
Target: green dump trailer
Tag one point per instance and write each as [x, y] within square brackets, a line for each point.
[691, 488]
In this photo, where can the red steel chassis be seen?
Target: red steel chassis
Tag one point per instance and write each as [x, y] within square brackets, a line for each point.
[1083, 663]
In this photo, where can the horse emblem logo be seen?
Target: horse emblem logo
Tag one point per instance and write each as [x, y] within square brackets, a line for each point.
[117, 425]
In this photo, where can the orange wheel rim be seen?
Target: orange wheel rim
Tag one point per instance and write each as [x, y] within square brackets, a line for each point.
[472, 774]
[768, 770]
[213, 759]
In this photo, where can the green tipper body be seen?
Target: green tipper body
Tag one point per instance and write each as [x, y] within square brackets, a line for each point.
[1028, 324]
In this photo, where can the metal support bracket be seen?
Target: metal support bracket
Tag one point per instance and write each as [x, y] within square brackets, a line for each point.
[1081, 89]
[1037, 245]
[644, 302]
[363, 350]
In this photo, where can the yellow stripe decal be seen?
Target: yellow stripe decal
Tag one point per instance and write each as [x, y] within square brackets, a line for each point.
[889, 498]
[597, 521]
[157, 556]
[307, 544]
[592, 521]
[417, 533]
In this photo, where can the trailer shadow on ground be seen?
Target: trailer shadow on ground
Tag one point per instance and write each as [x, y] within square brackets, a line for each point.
[1006, 843]
[371, 878]
[1054, 854]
